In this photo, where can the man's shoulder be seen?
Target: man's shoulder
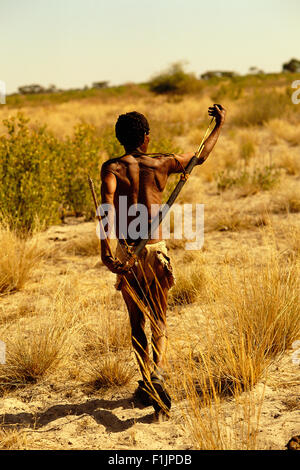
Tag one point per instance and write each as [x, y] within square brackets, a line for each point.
[160, 158]
[111, 164]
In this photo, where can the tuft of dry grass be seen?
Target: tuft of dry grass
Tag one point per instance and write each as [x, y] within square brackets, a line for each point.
[18, 258]
[191, 281]
[12, 439]
[294, 241]
[88, 245]
[248, 146]
[287, 200]
[33, 354]
[111, 333]
[285, 131]
[213, 427]
[110, 370]
[229, 220]
[287, 159]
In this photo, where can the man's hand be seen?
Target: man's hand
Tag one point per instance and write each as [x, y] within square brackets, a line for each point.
[218, 112]
[115, 265]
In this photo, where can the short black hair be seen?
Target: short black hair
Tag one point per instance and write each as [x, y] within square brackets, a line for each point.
[131, 129]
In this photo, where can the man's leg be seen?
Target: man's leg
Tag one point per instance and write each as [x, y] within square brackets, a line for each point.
[138, 336]
[159, 295]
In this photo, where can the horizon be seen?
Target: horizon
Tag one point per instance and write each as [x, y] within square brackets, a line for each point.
[109, 85]
[73, 43]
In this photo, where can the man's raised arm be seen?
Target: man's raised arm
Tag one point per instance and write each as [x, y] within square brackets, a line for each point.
[218, 112]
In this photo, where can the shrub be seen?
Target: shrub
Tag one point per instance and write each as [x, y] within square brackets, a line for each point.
[174, 81]
[292, 66]
[29, 192]
[110, 144]
[40, 174]
[252, 181]
[80, 158]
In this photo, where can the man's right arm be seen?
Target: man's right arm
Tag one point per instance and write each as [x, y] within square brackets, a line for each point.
[108, 189]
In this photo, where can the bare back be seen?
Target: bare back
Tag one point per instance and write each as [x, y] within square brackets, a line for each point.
[142, 179]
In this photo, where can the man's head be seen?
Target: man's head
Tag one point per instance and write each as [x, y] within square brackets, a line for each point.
[132, 131]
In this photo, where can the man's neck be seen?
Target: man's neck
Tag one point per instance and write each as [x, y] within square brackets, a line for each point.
[133, 152]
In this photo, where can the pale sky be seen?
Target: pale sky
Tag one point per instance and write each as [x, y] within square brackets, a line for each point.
[72, 43]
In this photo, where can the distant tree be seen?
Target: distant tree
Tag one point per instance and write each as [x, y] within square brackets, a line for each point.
[255, 70]
[174, 81]
[218, 73]
[52, 89]
[292, 66]
[31, 89]
[103, 84]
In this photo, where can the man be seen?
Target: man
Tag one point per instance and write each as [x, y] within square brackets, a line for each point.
[128, 181]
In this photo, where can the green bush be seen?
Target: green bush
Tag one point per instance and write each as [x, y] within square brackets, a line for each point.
[175, 81]
[231, 90]
[80, 157]
[260, 178]
[109, 143]
[29, 189]
[41, 175]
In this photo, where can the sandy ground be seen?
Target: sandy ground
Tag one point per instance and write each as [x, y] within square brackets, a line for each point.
[68, 419]
[61, 415]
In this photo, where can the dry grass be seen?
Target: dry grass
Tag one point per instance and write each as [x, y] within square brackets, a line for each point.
[12, 439]
[111, 333]
[228, 219]
[255, 319]
[287, 199]
[111, 370]
[282, 129]
[88, 245]
[32, 354]
[287, 159]
[191, 281]
[18, 258]
[261, 108]
[294, 241]
[214, 426]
